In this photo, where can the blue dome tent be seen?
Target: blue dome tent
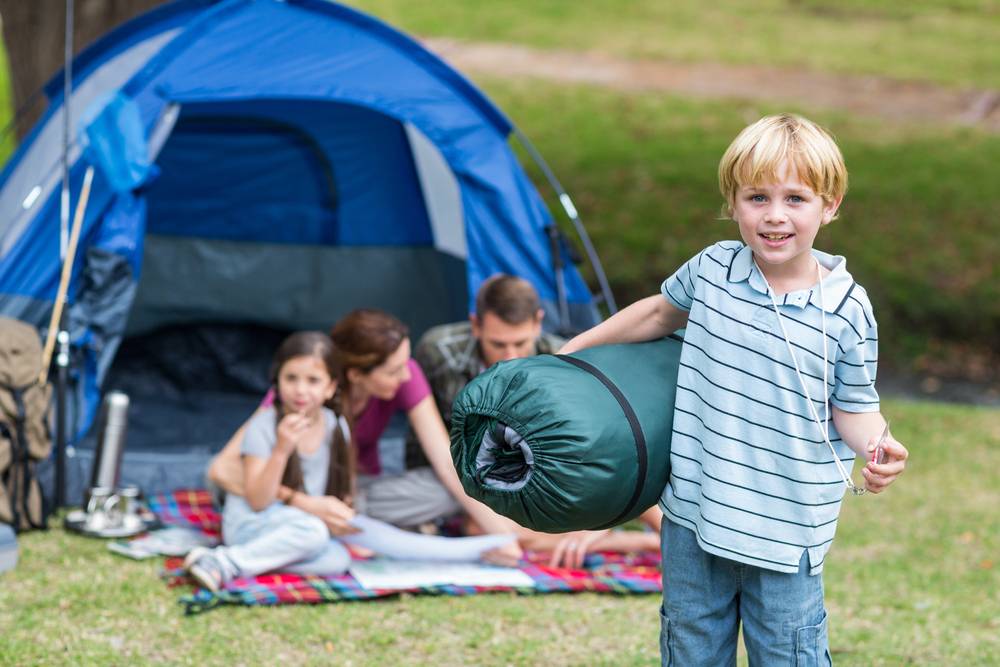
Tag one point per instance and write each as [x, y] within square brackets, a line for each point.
[261, 166]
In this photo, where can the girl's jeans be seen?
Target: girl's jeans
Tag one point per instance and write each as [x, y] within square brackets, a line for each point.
[279, 538]
[705, 598]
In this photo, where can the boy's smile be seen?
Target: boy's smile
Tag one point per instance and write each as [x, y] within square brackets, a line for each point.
[779, 220]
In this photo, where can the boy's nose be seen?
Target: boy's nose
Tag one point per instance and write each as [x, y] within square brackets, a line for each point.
[775, 213]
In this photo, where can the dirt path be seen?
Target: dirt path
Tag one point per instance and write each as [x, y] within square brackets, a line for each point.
[892, 99]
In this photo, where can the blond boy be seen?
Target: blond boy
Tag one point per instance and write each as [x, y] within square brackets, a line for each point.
[780, 342]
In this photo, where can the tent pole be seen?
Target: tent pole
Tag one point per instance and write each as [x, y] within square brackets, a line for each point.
[574, 217]
[62, 359]
[67, 122]
[565, 329]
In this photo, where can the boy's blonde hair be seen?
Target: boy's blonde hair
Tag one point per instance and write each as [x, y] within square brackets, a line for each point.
[757, 152]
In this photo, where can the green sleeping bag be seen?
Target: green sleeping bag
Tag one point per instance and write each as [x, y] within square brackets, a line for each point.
[560, 443]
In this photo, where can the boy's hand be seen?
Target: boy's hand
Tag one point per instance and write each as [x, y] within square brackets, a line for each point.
[879, 476]
[291, 428]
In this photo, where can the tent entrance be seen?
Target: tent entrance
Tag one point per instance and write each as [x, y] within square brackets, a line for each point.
[290, 213]
[267, 217]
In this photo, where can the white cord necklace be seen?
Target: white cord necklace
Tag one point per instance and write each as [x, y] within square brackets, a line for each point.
[824, 426]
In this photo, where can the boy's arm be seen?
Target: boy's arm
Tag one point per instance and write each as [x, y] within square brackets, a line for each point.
[861, 431]
[647, 319]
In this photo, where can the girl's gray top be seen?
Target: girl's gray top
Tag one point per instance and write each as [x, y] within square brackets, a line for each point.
[259, 440]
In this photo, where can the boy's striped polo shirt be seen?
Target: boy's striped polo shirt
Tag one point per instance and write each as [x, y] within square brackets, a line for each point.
[750, 471]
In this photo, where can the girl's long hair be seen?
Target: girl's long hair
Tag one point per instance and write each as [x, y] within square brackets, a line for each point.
[364, 339]
[341, 473]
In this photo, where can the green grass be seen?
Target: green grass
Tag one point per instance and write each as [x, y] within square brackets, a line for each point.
[8, 142]
[912, 579]
[934, 40]
[920, 225]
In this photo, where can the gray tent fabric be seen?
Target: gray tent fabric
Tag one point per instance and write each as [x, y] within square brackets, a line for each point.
[560, 443]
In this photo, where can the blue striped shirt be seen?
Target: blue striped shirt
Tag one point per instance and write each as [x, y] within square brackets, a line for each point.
[750, 471]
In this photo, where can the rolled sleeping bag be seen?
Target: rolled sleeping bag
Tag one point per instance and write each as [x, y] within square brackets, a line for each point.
[569, 442]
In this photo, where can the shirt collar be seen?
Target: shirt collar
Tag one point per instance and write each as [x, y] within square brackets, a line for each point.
[837, 285]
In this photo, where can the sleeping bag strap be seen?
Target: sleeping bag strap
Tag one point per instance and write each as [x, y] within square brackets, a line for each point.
[633, 422]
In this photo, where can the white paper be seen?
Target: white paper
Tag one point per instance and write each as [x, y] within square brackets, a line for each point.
[170, 541]
[384, 573]
[387, 540]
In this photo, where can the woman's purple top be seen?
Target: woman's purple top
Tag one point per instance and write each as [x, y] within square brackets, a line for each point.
[371, 423]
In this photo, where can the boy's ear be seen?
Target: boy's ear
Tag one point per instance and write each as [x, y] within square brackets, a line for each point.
[830, 210]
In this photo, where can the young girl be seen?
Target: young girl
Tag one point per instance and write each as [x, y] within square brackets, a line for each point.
[294, 450]
[378, 380]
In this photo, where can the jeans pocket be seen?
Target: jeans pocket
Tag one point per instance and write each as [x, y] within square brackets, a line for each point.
[812, 645]
[664, 639]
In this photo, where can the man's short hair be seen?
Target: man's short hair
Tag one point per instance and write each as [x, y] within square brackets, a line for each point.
[510, 298]
[755, 155]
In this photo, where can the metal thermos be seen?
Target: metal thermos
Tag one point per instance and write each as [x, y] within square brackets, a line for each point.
[111, 428]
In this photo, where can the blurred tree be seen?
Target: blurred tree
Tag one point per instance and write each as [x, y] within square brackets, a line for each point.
[34, 35]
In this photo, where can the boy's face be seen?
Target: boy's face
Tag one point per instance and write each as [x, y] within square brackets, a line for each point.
[779, 221]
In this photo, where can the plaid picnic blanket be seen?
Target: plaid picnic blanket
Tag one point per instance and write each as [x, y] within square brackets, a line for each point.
[602, 572]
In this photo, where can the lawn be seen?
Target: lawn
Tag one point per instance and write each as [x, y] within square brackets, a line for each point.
[8, 140]
[912, 579]
[930, 40]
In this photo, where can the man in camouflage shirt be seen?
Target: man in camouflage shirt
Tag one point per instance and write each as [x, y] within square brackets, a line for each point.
[507, 324]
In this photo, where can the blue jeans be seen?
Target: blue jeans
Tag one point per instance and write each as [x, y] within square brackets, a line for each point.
[279, 538]
[705, 598]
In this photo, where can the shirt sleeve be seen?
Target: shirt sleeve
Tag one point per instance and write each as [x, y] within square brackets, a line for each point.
[857, 363]
[413, 390]
[679, 288]
[259, 438]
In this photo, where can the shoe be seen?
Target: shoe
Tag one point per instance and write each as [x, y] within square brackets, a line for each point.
[206, 568]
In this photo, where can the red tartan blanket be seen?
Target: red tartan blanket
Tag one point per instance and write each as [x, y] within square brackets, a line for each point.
[602, 573]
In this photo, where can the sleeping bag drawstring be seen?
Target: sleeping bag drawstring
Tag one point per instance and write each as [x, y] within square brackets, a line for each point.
[824, 426]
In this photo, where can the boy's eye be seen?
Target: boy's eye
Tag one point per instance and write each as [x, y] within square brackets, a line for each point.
[758, 198]
[795, 199]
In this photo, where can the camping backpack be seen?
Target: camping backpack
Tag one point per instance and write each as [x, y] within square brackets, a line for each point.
[24, 430]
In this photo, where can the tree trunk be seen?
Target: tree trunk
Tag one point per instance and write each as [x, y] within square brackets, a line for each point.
[34, 35]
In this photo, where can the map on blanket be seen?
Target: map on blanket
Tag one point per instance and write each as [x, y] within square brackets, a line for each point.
[396, 575]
